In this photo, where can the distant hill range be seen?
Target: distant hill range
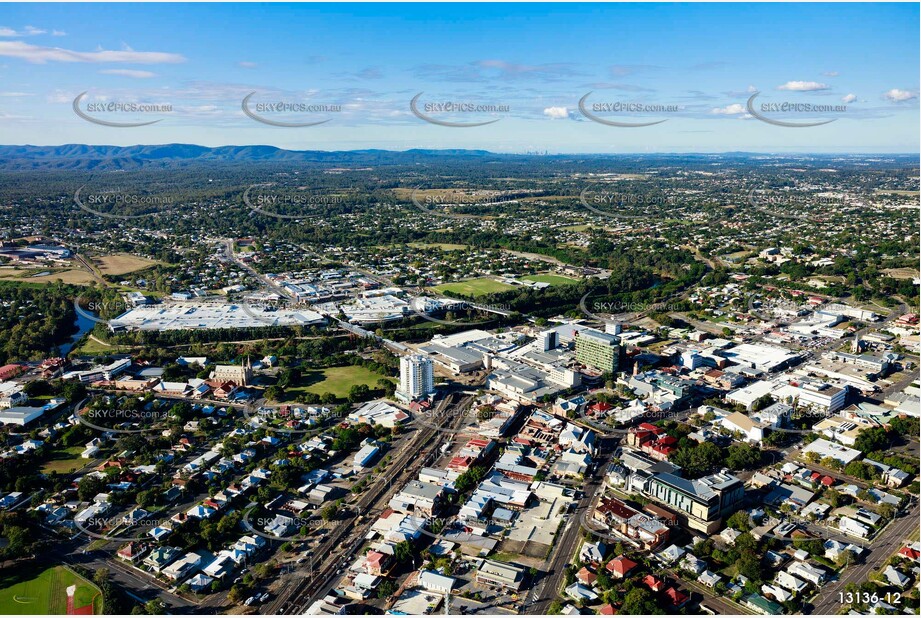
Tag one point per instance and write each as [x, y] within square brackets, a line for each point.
[82, 156]
[86, 157]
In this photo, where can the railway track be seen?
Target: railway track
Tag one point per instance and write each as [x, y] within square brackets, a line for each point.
[299, 596]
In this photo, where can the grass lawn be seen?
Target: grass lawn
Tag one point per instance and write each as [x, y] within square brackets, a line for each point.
[551, 279]
[444, 246]
[122, 264]
[91, 347]
[63, 460]
[474, 287]
[74, 276]
[30, 590]
[335, 380]
[505, 556]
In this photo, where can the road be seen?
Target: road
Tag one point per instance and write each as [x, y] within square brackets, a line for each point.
[548, 588]
[720, 604]
[886, 544]
[317, 579]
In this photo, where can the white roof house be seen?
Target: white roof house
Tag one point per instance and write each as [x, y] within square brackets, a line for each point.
[808, 572]
[896, 577]
[434, 582]
[788, 581]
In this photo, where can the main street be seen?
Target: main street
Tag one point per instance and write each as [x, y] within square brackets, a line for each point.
[313, 581]
[547, 589]
[879, 551]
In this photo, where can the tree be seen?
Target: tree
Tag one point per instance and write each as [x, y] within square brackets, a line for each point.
[743, 457]
[386, 589]
[89, 486]
[640, 601]
[872, 439]
[328, 512]
[155, 607]
[403, 551]
[699, 459]
[739, 520]
[100, 576]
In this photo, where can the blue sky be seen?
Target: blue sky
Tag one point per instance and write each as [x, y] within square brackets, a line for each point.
[363, 63]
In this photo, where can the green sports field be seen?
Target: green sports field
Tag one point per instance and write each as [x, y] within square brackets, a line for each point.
[551, 279]
[25, 591]
[474, 287]
[335, 380]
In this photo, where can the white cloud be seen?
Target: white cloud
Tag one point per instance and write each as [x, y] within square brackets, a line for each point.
[896, 95]
[15, 94]
[247, 65]
[849, 98]
[730, 110]
[129, 73]
[27, 31]
[556, 112]
[830, 73]
[38, 54]
[803, 86]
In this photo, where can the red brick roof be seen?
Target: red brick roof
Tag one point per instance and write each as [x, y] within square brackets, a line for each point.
[620, 566]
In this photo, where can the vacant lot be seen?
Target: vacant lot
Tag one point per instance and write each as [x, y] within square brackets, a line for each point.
[444, 246]
[64, 460]
[122, 263]
[474, 287]
[901, 273]
[34, 591]
[77, 277]
[551, 279]
[335, 380]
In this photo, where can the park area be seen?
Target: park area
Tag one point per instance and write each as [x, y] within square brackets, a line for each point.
[122, 264]
[335, 380]
[474, 287]
[32, 591]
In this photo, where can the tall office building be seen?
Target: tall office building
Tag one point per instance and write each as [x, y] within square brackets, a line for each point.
[598, 350]
[417, 376]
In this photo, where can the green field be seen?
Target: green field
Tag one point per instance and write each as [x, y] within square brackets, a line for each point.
[551, 279]
[444, 246]
[63, 460]
[474, 287]
[577, 228]
[335, 380]
[26, 590]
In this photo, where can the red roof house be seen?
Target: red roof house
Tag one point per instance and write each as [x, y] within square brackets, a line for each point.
[620, 566]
